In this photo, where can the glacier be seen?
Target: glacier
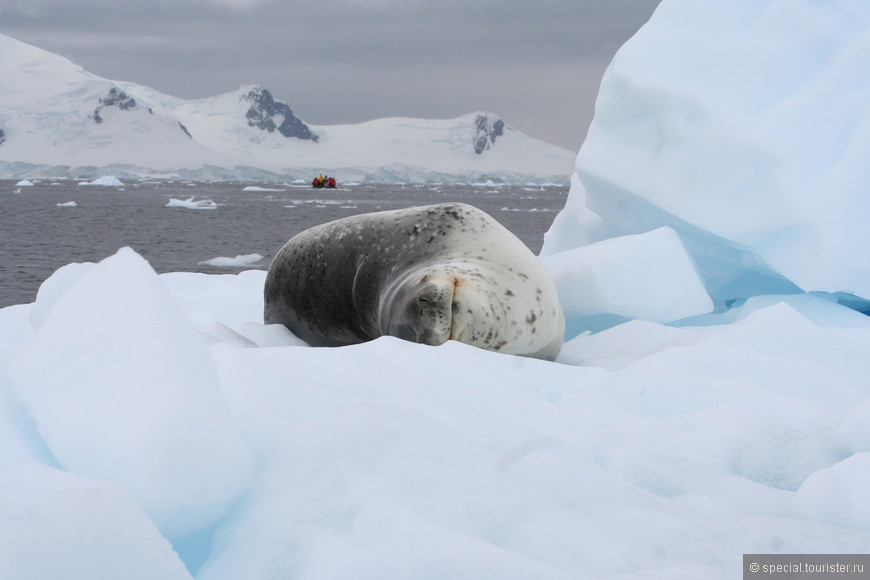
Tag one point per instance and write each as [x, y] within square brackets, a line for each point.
[712, 401]
[58, 120]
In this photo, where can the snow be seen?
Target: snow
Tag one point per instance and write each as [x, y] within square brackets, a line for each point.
[192, 203]
[704, 407]
[238, 261]
[837, 494]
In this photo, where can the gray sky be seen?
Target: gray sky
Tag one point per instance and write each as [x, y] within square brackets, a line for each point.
[536, 63]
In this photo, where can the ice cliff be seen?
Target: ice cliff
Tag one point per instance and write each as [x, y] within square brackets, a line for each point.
[745, 127]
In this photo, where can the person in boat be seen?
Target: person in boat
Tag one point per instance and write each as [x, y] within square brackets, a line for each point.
[332, 182]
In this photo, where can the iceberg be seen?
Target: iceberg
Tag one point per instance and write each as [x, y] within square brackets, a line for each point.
[745, 127]
[181, 423]
[105, 181]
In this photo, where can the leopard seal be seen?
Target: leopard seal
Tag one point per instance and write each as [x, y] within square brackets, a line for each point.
[425, 274]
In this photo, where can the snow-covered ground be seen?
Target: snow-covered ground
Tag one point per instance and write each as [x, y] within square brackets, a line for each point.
[152, 427]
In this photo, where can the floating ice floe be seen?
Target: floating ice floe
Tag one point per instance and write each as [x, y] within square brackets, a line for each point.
[258, 188]
[192, 203]
[238, 261]
[24, 183]
[67, 204]
[319, 203]
[527, 210]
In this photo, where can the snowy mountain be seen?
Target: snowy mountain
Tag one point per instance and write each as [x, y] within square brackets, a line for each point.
[57, 119]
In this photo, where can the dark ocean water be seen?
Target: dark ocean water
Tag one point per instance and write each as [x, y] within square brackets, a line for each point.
[37, 236]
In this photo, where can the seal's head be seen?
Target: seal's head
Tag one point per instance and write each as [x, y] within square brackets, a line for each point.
[421, 309]
[434, 305]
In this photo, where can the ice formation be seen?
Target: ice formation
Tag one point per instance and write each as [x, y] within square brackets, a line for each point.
[171, 419]
[192, 203]
[238, 261]
[745, 127]
[152, 426]
[132, 395]
[105, 181]
[602, 280]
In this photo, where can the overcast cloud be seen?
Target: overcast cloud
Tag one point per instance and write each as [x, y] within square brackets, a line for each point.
[536, 63]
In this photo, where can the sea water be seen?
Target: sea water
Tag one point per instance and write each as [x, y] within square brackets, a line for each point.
[53, 223]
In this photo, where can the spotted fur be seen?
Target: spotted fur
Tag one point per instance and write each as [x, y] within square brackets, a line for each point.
[426, 274]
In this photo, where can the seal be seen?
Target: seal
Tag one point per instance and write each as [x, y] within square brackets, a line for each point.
[425, 274]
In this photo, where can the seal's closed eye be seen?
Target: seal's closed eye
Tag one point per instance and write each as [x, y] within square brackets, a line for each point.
[432, 293]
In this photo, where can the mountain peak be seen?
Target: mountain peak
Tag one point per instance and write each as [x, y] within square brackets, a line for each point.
[487, 128]
[264, 111]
